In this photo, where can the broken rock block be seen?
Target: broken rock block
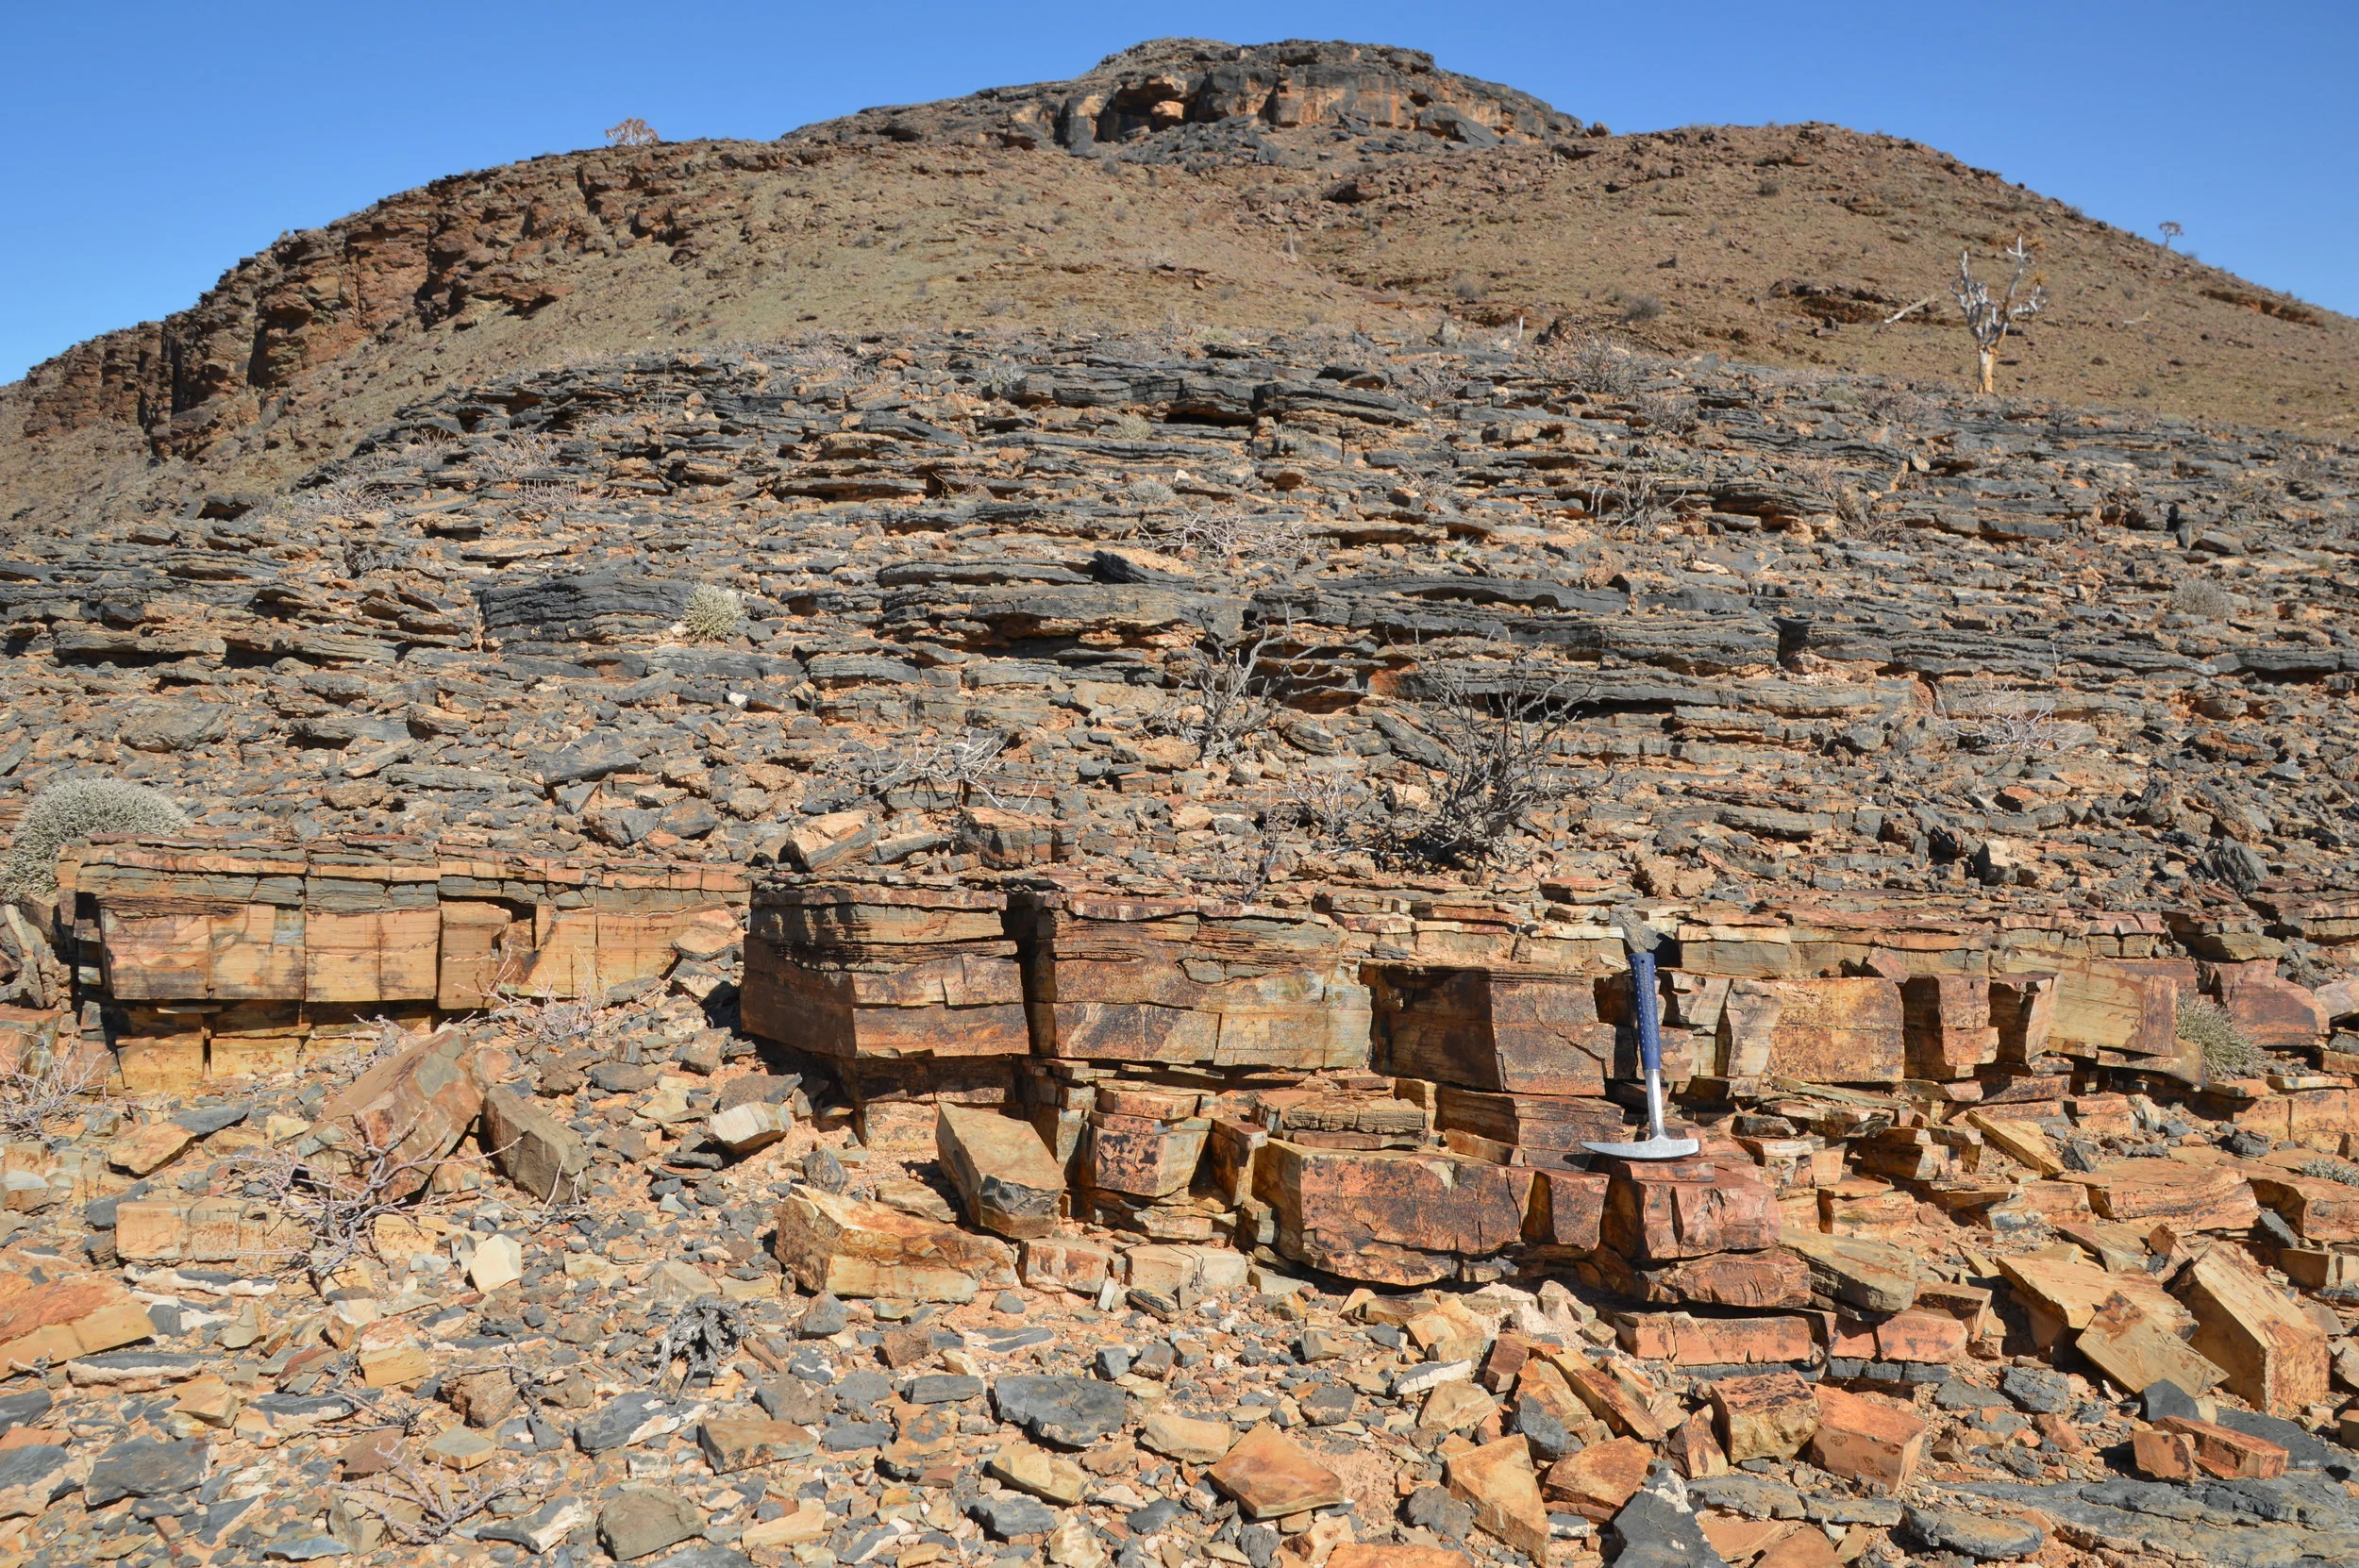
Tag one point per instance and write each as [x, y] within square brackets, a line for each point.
[1775, 1277]
[1596, 1481]
[854, 1248]
[1874, 1276]
[1140, 1157]
[533, 1149]
[2228, 1454]
[1769, 1416]
[1191, 981]
[1947, 1023]
[1492, 1029]
[1499, 1480]
[1663, 1210]
[2273, 1353]
[412, 1107]
[1535, 1122]
[1008, 1181]
[2187, 1198]
[1862, 1437]
[2274, 1014]
[1272, 1476]
[1393, 1217]
[853, 970]
[1820, 1031]
[1688, 1341]
[749, 1127]
[2318, 1210]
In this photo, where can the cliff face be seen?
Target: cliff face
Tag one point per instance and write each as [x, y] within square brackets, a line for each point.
[406, 264]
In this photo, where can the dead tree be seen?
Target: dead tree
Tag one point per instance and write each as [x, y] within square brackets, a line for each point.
[633, 132]
[1990, 319]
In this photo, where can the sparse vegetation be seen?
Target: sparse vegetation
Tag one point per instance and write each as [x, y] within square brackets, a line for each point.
[1225, 693]
[1499, 726]
[78, 808]
[1988, 320]
[962, 764]
[2008, 722]
[2227, 1053]
[2203, 599]
[712, 614]
[47, 1084]
[631, 132]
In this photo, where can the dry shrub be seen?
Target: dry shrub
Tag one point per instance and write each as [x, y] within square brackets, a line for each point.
[713, 614]
[74, 809]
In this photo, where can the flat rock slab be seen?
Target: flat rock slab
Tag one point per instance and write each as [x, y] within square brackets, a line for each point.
[2244, 1524]
[645, 1520]
[1974, 1535]
[1072, 1411]
[627, 1418]
[1271, 1476]
[34, 1475]
[145, 1468]
[1011, 1515]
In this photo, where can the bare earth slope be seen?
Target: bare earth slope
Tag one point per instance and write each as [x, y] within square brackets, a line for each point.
[1181, 182]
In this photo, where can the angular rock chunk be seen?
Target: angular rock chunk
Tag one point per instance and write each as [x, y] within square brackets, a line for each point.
[1771, 1416]
[2274, 1356]
[1874, 1276]
[416, 1106]
[850, 1247]
[1863, 1438]
[1008, 1181]
[534, 1149]
[1389, 1216]
[1271, 1476]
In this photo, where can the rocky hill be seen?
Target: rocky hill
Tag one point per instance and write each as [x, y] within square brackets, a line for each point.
[1180, 182]
[999, 937]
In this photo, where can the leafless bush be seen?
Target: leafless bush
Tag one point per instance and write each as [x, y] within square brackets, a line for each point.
[631, 132]
[703, 1335]
[2014, 724]
[1639, 503]
[1230, 688]
[48, 1085]
[1668, 415]
[357, 1053]
[421, 1510]
[546, 1025]
[1225, 535]
[336, 1197]
[1988, 320]
[1500, 724]
[1330, 807]
[962, 764]
[512, 457]
[2204, 598]
[1604, 368]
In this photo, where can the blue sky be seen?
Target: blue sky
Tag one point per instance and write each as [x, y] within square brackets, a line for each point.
[157, 145]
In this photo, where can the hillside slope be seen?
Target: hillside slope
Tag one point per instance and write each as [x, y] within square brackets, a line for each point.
[1180, 183]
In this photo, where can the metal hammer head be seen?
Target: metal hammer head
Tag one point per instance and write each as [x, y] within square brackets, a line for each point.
[1650, 1148]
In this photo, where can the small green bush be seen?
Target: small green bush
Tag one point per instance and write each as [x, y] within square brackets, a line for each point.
[713, 614]
[76, 809]
[2226, 1051]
